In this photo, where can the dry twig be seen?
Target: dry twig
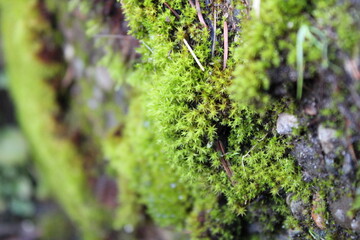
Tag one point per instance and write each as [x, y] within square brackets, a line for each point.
[192, 4]
[225, 163]
[351, 67]
[226, 44]
[214, 35]
[193, 54]
[172, 10]
[200, 16]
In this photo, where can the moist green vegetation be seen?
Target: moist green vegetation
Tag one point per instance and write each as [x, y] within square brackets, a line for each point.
[201, 129]
[343, 20]
[31, 77]
[269, 42]
[266, 39]
[207, 122]
[144, 171]
[210, 140]
[198, 149]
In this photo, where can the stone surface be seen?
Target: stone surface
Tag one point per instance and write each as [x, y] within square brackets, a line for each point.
[307, 152]
[339, 211]
[355, 224]
[103, 79]
[298, 209]
[348, 167]
[286, 123]
[330, 164]
[327, 137]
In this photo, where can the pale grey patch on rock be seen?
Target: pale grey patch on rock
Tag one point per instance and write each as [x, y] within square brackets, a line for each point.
[339, 211]
[355, 225]
[327, 137]
[286, 123]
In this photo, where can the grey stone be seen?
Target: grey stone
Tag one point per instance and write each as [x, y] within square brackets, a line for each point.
[294, 233]
[307, 152]
[255, 228]
[348, 167]
[330, 164]
[339, 211]
[355, 225]
[340, 215]
[79, 68]
[298, 209]
[286, 123]
[327, 137]
[111, 120]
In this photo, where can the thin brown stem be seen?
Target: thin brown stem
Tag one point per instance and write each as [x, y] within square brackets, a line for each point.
[172, 10]
[247, 4]
[200, 16]
[225, 163]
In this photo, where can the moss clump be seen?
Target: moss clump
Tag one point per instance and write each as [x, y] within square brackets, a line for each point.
[341, 19]
[211, 140]
[144, 172]
[194, 148]
[147, 179]
[266, 39]
[269, 42]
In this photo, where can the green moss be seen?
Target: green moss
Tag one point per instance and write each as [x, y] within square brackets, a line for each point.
[192, 116]
[58, 162]
[194, 147]
[266, 41]
[269, 41]
[211, 218]
[343, 19]
[142, 166]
